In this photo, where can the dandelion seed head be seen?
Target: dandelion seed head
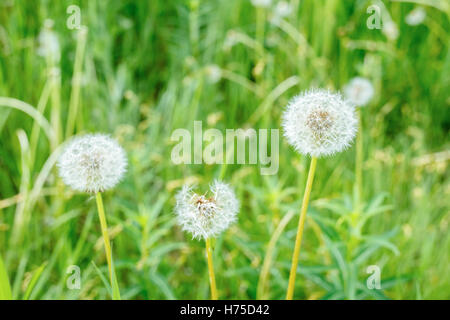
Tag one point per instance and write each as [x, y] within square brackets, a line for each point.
[214, 73]
[390, 30]
[92, 163]
[231, 40]
[319, 123]
[261, 3]
[416, 16]
[359, 91]
[48, 42]
[206, 216]
[283, 9]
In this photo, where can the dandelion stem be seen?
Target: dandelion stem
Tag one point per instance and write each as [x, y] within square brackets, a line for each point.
[301, 223]
[101, 215]
[212, 278]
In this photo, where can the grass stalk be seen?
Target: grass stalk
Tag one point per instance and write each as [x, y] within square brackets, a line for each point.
[43, 100]
[260, 25]
[301, 223]
[55, 97]
[22, 215]
[5, 288]
[32, 112]
[265, 270]
[358, 164]
[76, 82]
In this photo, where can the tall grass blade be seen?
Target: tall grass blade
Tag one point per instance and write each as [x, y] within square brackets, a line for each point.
[5, 288]
[33, 281]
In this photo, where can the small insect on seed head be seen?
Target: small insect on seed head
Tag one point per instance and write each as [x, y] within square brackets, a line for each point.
[359, 91]
[92, 163]
[319, 123]
[206, 216]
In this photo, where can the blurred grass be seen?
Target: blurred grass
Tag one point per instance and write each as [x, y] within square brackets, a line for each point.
[146, 72]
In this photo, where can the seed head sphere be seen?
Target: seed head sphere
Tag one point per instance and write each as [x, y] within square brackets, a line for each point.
[319, 123]
[359, 91]
[206, 216]
[92, 163]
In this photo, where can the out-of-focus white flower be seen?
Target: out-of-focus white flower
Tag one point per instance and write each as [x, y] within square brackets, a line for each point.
[390, 30]
[283, 9]
[261, 3]
[319, 123]
[272, 39]
[92, 163]
[359, 91]
[231, 40]
[206, 216]
[416, 16]
[214, 73]
[48, 42]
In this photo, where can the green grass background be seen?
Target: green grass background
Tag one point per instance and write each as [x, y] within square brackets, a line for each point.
[147, 71]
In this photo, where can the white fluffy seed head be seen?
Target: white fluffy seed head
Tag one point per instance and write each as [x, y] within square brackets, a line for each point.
[48, 42]
[261, 3]
[359, 91]
[92, 163]
[214, 73]
[416, 17]
[319, 123]
[390, 30]
[206, 216]
[283, 9]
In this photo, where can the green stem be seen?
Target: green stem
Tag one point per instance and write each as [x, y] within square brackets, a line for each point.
[358, 164]
[265, 270]
[301, 223]
[55, 116]
[76, 82]
[260, 21]
[212, 278]
[5, 288]
[43, 100]
[102, 217]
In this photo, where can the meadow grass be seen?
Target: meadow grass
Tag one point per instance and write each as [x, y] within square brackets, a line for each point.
[144, 70]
